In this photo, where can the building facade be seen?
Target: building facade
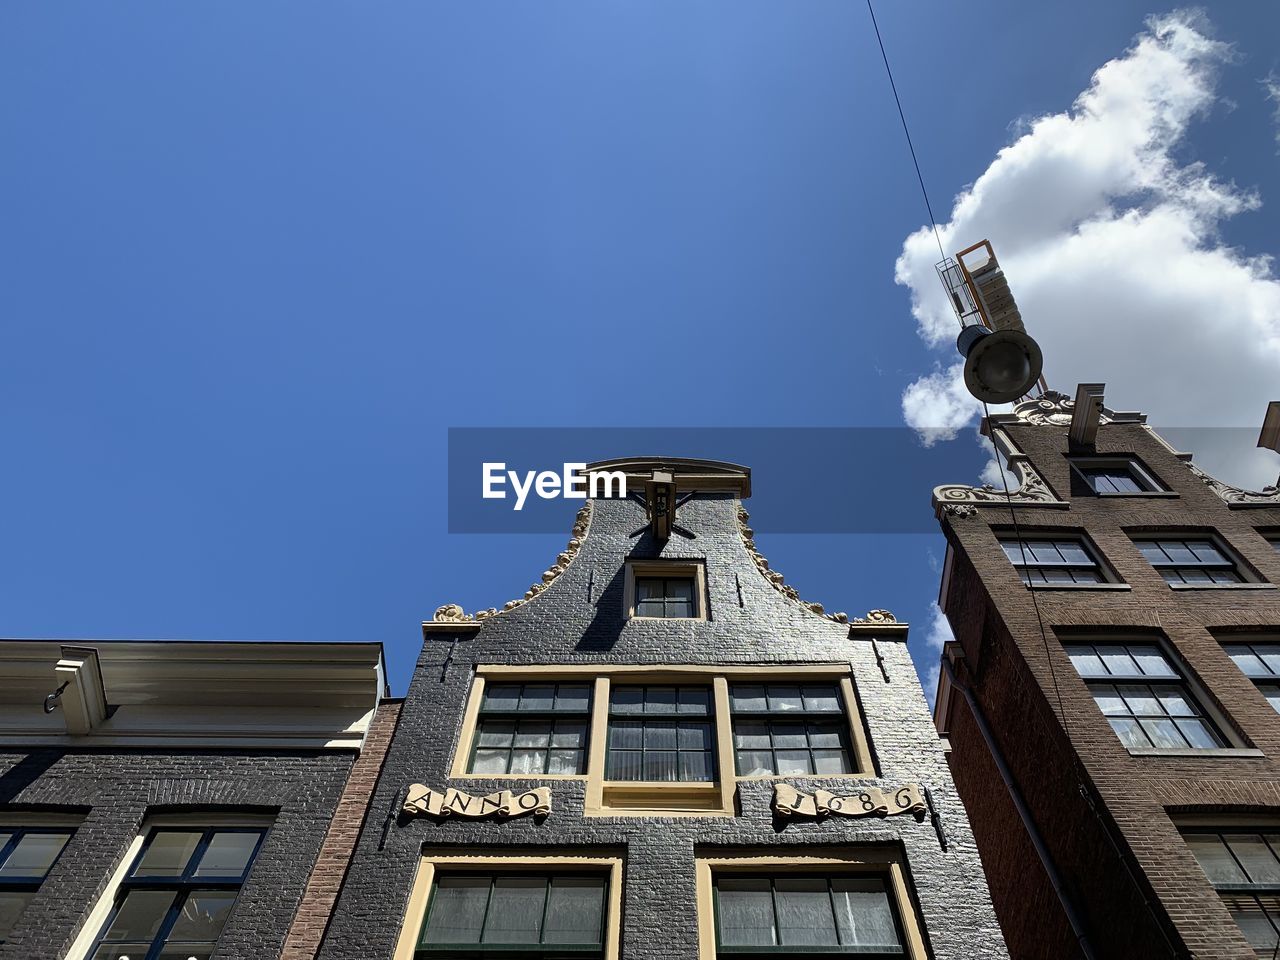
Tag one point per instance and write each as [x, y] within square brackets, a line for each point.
[1110, 699]
[662, 752]
[168, 801]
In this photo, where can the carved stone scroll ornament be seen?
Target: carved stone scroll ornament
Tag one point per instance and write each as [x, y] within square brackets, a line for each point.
[1235, 496]
[868, 802]
[452, 613]
[1056, 409]
[455, 803]
[1031, 489]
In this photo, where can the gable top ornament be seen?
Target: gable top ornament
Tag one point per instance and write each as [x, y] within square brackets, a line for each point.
[1055, 409]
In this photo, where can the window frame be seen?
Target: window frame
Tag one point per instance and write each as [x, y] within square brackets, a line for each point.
[1219, 828]
[620, 716]
[560, 861]
[877, 860]
[1108, 579]
[1253, 642]
[1142, 476]
[667, 570]
[838, 717]
[29, 883]
[1183, 679]
[540, 716]
[664, 798]
[1248, 578]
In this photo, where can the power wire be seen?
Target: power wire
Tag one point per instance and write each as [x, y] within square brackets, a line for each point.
[933, 221]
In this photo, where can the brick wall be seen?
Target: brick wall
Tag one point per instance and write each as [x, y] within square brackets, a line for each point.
[1128, 828]
[330, 868]
[579, 619]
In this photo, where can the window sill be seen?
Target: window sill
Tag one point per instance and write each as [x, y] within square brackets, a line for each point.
[1217, 753]
[810, 776]
[1077, 586]
[1143, 495]
[662, 799]
[1222, 586]
[636, 616]
[519, 776]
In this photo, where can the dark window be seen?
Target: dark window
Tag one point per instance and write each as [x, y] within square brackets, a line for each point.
[533, 914]
[1143, 697]
[1053, 562]
[1244, 868]
[789, 729]
[1275, 542]
[532, 728]
[660, 734]
[1261, 664]
[667, 597]
[816, 915]
[1193, 562]
[1110, 478]
[26, 854]
[178, 894]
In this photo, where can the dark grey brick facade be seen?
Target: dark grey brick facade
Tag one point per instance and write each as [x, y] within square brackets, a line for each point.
[115, 791]
[579, 618]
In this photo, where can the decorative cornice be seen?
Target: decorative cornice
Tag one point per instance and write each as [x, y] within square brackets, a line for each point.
[1031, 490]
[779, 582]
[1235, 496]
[1054, 409]
[451, 614]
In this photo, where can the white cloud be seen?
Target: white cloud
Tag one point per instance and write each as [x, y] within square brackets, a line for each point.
[936, 635]
[1271, 88]
[1111, 246]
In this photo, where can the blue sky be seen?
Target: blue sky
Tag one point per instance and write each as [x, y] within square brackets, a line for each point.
[258, 258]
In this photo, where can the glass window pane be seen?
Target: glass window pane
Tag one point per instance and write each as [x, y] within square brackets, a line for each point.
[695, 767]
[34, 855]
[1206, 552]
[569, 735]
[1085, 661]
[528, 761]
[1108, 700]
[1130, 734]
[538, 698]
[167, 853]
[1175, 703]
[501, 696]
[745, 912]
[1270, 657]
[659, 735]
[789, 736]
[490, 761]
[826, 735]
[694, 736]
[651, 608]
[1013, 550]
[793, 763]
[575, 910]
[533, 733]
[1214, 859]
[1225, 575]
[1151, 660]
[140, 915]
[695, 700]
[863, 914]
[1255, 856]
[515, 915]
[1043, 551]
[1248, 662]
[565, 761]
[626, 734]
[1178, 551]
[1074, 552]
[649, 588]
[755, 763]
[680, 589]
[573, 697]
[660, 700]
[804, 911]
[1194, 575]
[1251, 918]
[1272, 692]
[1164, 734]
[661, 766]
[495, 733]
[1059, 575]
[121, 951]
[227, 855]
[831, 761]
[202, 915]
[1198, 733]
[1140, 701]
[751, 735]
[1150, 549]
[457, 910]
[785, 698]
[822, 698]
[1118, 662]
[627, 700]
[12, 903]
[746, 698]
[625, 765]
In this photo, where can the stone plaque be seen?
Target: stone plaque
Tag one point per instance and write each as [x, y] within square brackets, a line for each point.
[867, 802]
[454, 803]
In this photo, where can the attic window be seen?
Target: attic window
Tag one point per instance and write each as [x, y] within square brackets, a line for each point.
[665, 590]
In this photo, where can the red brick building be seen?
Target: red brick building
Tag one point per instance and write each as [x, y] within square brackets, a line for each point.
[1111, 696]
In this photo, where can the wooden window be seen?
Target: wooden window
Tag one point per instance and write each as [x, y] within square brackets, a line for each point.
[666, 597]
[814, 914]
[789, 729]
[665, 590]
[1116, 476]
[1244, 867]
[1260, 662]
[26, 856]
[178, 894]
[1061, 561]
[660, 734]
[1195, 562]
[532, 728]
[1143, 696]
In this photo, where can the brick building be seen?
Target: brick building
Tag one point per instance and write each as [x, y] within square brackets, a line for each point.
[163, 801]
[1111, 696]
[662, 752]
